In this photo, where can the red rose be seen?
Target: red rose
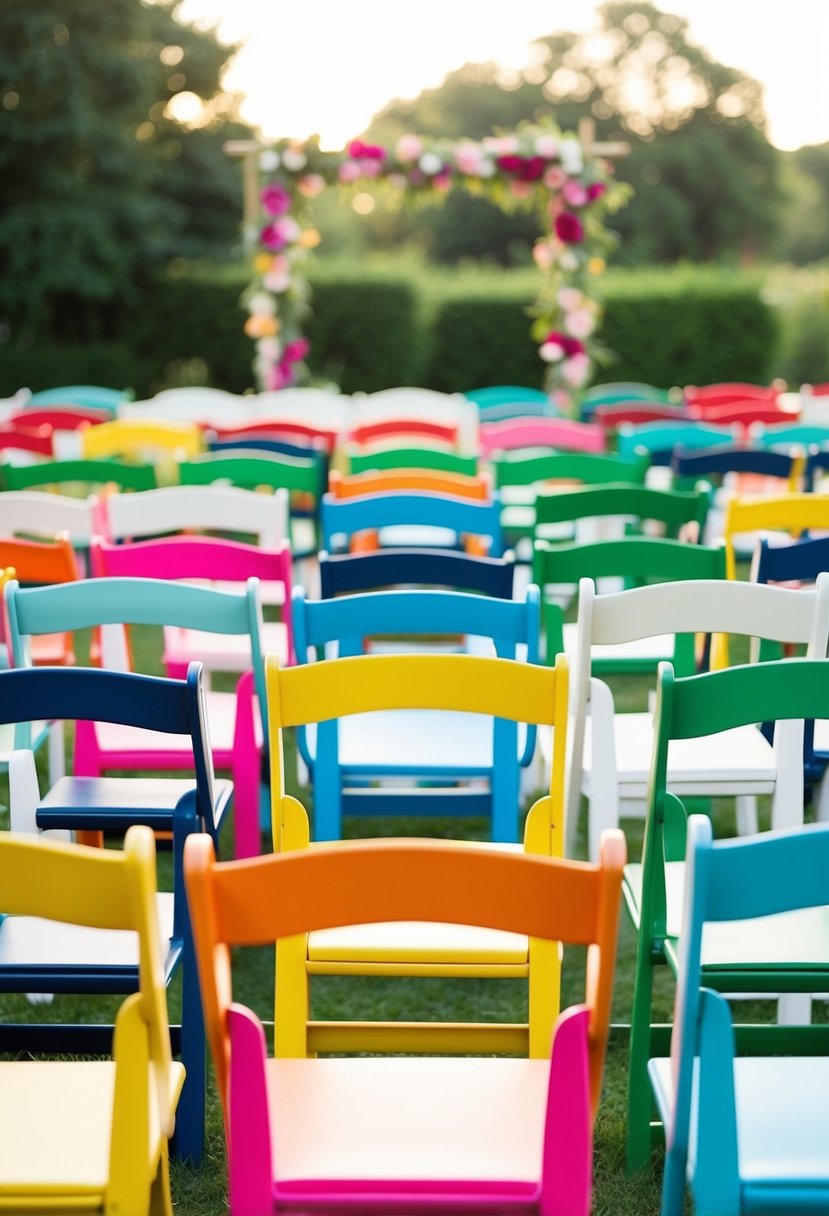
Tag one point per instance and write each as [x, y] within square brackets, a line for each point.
[596, 190]
[510, 164]
[569, 228]
[570, 346]
[533, 168]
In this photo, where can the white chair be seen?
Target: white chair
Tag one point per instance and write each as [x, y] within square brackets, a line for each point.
[611, 753]
[212, 406]
[216, 507]
[427, 404]
[314, 406]
[35, 513]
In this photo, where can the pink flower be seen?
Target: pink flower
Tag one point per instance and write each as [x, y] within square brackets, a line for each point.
[311, 185]
[468, 159]
[596, 190]
[510, 163]
[542, 255]
[569, 228]
[575, 194]
[350, 171]
[569, 298]
[532, 168]
[547, 146]
[277, 281]
[272, 237]
[443, 180]
[576, 370]
[409, 148]
[554, 178]
[275, 378]
[570, 346]
[357, 150]
[551, 352]
[519, 188]
[560, 398]
[275, 199]
[580, 323]
[296, 351]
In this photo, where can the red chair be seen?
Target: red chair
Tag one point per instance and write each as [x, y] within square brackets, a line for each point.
[611, 417]
[37, 439]
[743, 414]
[400, 428]
[66, 418]
[278, 428]
[727, 393]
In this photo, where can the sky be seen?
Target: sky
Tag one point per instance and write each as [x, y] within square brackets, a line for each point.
[327, 66]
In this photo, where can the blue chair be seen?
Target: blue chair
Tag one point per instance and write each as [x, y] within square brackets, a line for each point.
[91, 395]
[277, 447]
[499, 402]
[444, 748]
[798, 434]
[235, 730]
[343, 574]
[747, 1134]
[716, 462]
[660, 438]
[414, 511]
[801, 562]
[817, 462]
[34, 959]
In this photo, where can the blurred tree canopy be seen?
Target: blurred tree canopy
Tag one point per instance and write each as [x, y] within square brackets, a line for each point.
[805, 237]
[706, 177]
[112, 120]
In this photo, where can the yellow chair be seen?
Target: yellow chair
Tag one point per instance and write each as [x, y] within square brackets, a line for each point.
[465, 683]
[140, 439]
[91, 1135]
[792, 513]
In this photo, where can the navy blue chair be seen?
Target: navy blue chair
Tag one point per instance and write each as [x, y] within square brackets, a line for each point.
[817, 462]
[32, 961]
[716, 462]
[347, 573]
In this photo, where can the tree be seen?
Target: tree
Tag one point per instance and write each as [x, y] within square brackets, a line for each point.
[806, 178]
[102, 181]
[705, 175]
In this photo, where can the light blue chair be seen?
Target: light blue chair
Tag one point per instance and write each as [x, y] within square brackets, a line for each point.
[748, 1134]
[348, 758]
[91, 395]
[403, 520]
[799, 434]
[660, 438]
[500, 402]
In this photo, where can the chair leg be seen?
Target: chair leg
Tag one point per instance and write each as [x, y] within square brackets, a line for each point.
[746, 812]
[161, 1203]
[639, 1091]
[794, 1009]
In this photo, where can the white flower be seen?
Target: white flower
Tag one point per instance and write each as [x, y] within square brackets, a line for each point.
[572, 157]
[294, 160]
[268, 160]
[567, 260]
[430, 163]
[546, 146]
[551, 352]
[268, 349]
[261, 305]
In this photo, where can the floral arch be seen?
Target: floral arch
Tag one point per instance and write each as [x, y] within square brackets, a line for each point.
[567, 178]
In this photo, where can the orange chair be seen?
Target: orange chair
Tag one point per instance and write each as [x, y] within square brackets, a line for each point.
[38, 562]
[351, 485]
[409, 1134]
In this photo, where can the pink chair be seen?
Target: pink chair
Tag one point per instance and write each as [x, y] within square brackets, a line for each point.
[226, 565]
[411, 1134]
[559, 433]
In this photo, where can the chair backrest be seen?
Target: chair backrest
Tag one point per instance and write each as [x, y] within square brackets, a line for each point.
[561, 434]
[816, 462]
[93, 395]
[291, 447]
[211, 507]
[288, 430]
[343, 574]
[463, 516]
[508, 394]
[41, 514]
[176, 707]
[374, 881]
[134, 601]
[41, 561]
[17, 438]
[200, 557]
[635, 413]
[660, 438]
[86, 472]
[801, 561]
[587, 468]
[728, 392]
[352, 485]
[60, 418]
[673, 508]
[402, 428]
[742, 414]
[787, 513]
[388, 456]
[249, 471]
[640, 559]
[132, 437]
[734, 458]
[730, 880]
[799, 434]
[624, 391]
[102, 889]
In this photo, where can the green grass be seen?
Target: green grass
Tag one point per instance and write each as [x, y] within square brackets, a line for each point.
[201, 1192]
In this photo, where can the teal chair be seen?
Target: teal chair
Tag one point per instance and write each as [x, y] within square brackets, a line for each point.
[91, 395]
[236, 723]
[660, 438]
[499, 402]
[748, 1134]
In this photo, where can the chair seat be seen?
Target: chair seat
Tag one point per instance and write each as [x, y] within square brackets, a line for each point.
[221, 720]
[417, 942]
[416, 536]
[125, 799]
[640, 650]
[414, 741]
[221, 651]
[407, 1118]
[782, 1121]
[51, 650]
[55, 1127]
[733, 761]
[32, 942]
[786, 941]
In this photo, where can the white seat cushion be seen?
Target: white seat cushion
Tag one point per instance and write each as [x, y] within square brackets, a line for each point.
[408, 739]
[222, 651]
[221, 719]
[33, 941]
[410, 1118]
[782, 1116]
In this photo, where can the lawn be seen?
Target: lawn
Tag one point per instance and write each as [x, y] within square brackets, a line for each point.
[201, 1192]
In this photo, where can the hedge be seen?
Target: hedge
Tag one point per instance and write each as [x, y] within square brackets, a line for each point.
[374, 330]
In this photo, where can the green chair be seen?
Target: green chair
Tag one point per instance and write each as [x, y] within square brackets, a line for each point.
[673, 510]
[518, 478]
[305, 479]
[773, 955]
[638, 560]
[79, 472]
[387, 456]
